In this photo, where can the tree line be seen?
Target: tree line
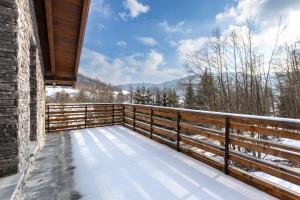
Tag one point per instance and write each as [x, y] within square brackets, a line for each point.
[230, 74]
[154, 96]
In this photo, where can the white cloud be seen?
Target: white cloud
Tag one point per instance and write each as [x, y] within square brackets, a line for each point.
[122, 44]
[97, 65]
[135, 9]
[172, 43]
[102, 8]
[188, 46]
[139, 67]
[268, 15]
[266, 12]
[179, 27]
[149, 41]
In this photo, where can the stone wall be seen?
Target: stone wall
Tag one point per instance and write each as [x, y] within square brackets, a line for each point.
[22, 95]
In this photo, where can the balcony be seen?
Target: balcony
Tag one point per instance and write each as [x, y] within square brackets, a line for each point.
[129, 151]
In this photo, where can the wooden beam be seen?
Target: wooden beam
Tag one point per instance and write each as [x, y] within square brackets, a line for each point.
[49, 17]
[59, 78]
[84, 16]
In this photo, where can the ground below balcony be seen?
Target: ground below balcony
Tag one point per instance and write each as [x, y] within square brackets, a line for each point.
[115, 163]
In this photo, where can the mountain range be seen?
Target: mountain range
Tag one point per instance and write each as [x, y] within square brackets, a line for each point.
[176, 83]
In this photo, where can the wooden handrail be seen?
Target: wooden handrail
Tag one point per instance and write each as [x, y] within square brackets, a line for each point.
[237, 144]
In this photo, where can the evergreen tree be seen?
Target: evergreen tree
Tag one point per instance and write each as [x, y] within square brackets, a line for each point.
[189, 95]
[158, 100]
[148, 95]
[137, 95]
[143, 95]
[173, 98]
[164, 97]
[205, 90]
[131, 93]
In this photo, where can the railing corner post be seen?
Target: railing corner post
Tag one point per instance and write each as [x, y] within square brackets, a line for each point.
[226, 145]
[178, 131]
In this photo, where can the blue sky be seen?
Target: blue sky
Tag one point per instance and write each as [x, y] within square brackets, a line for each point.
[129, 41]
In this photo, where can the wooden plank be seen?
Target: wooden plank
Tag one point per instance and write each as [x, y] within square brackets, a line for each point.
[267, 169]
[267, 131]
[49, 17]
[164, 132]
[163, 114]
[165, 123]
[292, 156]
[206, 147]
[84, 16]
[263, 185]
[196, 119]
[201, 131]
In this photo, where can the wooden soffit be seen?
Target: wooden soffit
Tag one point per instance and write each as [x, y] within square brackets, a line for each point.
[61, 25]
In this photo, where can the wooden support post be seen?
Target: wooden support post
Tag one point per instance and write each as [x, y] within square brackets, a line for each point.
[178, 131]
[133, 118]
[85, 116]
[151, 123]
[226, 153]
[123, 114]
[48, 119]
[113, 114]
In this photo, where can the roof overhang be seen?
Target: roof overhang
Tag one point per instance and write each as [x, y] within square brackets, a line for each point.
[61, 25]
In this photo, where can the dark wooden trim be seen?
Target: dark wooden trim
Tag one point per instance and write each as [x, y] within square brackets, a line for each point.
[151, 123]
[134, 118]
[226, 144]
[85, 118]
[178, 131]
[113, 114]
[49, 17]
[84, 17]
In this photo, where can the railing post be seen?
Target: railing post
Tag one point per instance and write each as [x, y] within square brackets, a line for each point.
[85, 116]
[48, 122]
[151, 123]
[113, 114]
[226, 153]
[178, 131]
[123, 114]
[134, 118]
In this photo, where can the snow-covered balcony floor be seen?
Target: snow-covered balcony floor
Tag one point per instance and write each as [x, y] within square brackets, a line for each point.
[113, 163]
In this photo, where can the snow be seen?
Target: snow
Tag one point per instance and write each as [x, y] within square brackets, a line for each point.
[278, 181]
[117, 163]
[125, 92]
[291, 142]
[224, 114]
[51, 91]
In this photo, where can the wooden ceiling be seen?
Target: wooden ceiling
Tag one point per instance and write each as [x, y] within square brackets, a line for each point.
[61, 25]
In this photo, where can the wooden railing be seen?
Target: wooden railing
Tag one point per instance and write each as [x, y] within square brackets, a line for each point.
[62, 117]
[239, 145]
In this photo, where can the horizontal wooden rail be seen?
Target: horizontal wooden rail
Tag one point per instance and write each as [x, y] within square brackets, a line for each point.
[239, 145]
